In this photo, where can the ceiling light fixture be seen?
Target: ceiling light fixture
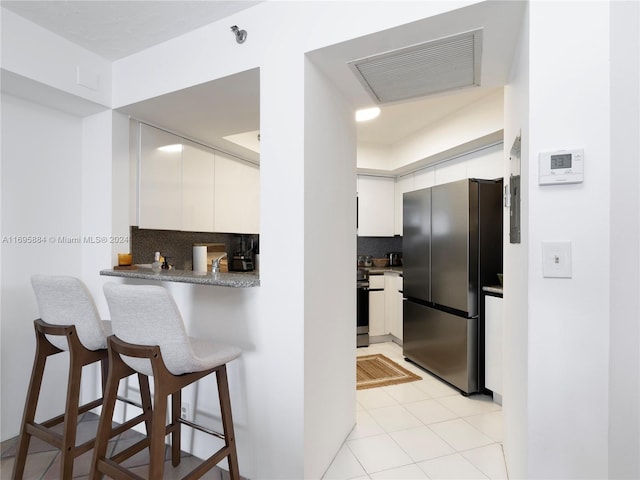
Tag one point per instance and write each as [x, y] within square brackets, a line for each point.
[241, 35]
[367, 114]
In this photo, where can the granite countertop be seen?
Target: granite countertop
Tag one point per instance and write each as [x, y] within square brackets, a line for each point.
[382, 270]
[231, 279]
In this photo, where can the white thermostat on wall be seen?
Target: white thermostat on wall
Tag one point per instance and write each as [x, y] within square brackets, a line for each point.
[562, 166]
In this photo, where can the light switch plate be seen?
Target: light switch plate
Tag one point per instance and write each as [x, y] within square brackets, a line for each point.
[556, 259]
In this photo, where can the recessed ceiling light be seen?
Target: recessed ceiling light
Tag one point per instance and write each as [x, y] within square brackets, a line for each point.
[367, 114]
[176, 147]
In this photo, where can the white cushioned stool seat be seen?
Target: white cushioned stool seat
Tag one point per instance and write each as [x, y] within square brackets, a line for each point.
[148, 315]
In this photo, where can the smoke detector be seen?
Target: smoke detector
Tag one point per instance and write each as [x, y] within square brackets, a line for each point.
[419, 70]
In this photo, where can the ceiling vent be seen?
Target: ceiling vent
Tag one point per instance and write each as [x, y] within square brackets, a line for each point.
[433, 67]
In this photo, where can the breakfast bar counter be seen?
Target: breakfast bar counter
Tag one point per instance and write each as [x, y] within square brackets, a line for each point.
[224, 279]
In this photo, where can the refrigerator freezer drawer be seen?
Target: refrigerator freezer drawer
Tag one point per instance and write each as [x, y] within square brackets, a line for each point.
[444, 344]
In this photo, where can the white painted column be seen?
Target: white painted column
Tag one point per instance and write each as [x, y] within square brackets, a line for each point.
[568, 318]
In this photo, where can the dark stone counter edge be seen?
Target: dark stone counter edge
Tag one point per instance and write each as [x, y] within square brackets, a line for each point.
[233, 279]
[382, 270]
[495, 289]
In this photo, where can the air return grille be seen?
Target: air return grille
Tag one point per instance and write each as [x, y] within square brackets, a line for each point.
[432, 67]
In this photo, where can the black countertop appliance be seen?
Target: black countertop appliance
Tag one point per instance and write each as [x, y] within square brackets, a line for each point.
[242, 259]
[395, 259]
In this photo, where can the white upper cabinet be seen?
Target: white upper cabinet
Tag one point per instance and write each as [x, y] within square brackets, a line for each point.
[403, 184]
[190, 187]
[198, 177]
[237, 196]
[160, 187]
[376, 210]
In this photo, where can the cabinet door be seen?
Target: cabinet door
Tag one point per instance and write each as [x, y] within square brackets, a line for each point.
[493, 318]
[237, 196]
[376, 206]
[403, 184]
[376, 313]
[160, 184]
[398, 306]
[390, 311]
[197, 188]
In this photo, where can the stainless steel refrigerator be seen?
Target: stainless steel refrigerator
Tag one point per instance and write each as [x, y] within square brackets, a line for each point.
[452, 246]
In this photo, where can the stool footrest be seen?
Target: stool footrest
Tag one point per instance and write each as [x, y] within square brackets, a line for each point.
[130, 402]
[208, 464]
[45, 434]
[52, 422]
[201, 428]
[113, 470]
[56, 439]
[127, 425]
[130, 451]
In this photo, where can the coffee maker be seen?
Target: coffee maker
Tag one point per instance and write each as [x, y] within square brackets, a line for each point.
[242, 259]
[395, 259]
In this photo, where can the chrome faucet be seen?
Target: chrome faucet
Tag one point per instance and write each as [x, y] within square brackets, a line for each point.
[215, 263]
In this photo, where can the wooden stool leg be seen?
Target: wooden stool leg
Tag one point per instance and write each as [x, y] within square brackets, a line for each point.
[71, 417]
[176, 408]
[145, 395]
[29, 411]
[227, 421]
[158, 430]
[103, 435]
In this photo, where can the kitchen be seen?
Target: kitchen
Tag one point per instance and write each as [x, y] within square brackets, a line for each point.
[309, 183]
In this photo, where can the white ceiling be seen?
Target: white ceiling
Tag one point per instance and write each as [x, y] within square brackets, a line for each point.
[118, 28]
[208, 112]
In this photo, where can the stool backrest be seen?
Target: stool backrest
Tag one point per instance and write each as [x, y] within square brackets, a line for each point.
[148, 315]
[65, 300]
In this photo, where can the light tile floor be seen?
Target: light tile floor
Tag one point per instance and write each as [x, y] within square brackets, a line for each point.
[420, 430]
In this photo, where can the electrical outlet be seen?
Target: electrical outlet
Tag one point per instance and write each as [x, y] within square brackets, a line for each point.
[185, 411]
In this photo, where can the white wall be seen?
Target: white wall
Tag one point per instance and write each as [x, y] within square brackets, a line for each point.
[516, 271]
[39, 55]
[476, 120]
[330, 309]
[374, 157]
[569, 318]
[472, 126]
[41, 187]
[624, 366]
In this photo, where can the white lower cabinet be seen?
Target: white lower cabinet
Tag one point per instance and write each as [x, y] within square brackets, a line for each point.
[385, 305]
[376, 306]
[399, 308]
[393, 304]
[493, 320]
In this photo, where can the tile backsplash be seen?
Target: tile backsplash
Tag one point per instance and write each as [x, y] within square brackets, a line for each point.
[178, 245]
[378, 247]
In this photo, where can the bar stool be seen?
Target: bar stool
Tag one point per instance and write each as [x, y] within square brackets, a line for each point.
[69, 322]
[150, 338]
